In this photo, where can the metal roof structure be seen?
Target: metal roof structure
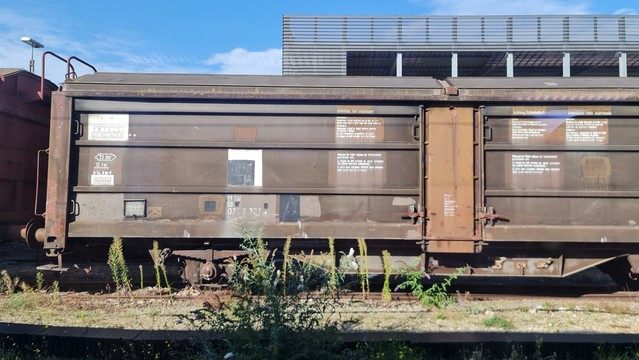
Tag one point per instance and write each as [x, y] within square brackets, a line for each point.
[445, 46]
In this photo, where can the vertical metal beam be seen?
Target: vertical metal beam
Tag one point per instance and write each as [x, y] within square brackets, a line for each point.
[510, 64]
[399, 65]
[453, 66]
[566, 64]
[623, 64]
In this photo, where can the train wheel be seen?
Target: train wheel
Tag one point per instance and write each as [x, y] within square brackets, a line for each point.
[191, 272]
[200, 273]
[30, 232]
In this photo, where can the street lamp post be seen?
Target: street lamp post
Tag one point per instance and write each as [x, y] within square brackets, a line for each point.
[34, 45]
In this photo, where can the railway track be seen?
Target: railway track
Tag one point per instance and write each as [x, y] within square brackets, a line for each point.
[78, 341]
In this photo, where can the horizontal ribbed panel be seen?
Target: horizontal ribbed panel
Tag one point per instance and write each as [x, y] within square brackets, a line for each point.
[318, 45]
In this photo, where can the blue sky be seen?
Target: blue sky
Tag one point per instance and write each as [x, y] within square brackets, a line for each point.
[213, 36]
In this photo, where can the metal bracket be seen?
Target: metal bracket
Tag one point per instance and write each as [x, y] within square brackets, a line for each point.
[166, 252]
[544, 264]
[415, 129]
[499, 263]
[521, 266]
[54, 267]
[489, 215]
[414, 215]
[488, 133]
[75, 208]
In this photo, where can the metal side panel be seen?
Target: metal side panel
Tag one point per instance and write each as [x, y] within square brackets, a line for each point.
[349, 171]
[563, 174]
[450, 185]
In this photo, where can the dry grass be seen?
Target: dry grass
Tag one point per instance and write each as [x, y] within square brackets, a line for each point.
[525, 316]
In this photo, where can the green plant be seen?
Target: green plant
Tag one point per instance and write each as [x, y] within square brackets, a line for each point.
[56, 290]
[155, 254]
[386, 292]
[141, 276]
[160, 268]
[80, 315]
[436, 294]
[21, 301]
[39, 281]
[287, 258]
[9, 284]
[331, 254]
[440, 317]
[166, 279]
[152, 312]
[362, 269]
[270, 317]
[119, 270]
[498, 322]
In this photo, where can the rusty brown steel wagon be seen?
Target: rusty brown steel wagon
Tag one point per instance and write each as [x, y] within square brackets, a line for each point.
[500, 176]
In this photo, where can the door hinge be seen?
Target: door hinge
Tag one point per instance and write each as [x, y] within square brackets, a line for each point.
[414, 215]
[489, 216]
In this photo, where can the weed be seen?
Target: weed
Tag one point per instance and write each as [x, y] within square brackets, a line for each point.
[475, 309]
[287, 258]
[362, 269]
[546, 305]
[498, 322]
[166, 278]
[608, 352]
[80, 315]
[141, 276]
[39, 281]
[331, 253]
[20, 302]
[391, 350]
[152, 312]
[386, 292]
[56, 290]
[119, 270]
[9, 285]
[24, 287]
[261, 321]
[155, 254]
[615, 309]
[436, 294]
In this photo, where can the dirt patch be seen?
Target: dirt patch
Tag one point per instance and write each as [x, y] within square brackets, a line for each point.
[136, 312]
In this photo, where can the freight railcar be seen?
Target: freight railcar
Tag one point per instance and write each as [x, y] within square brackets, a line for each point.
[24, 130]
[500, 176]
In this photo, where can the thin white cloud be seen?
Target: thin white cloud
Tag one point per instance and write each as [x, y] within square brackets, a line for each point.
[242, 61]
[626, 11]
[512, 7]
[116, 51]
